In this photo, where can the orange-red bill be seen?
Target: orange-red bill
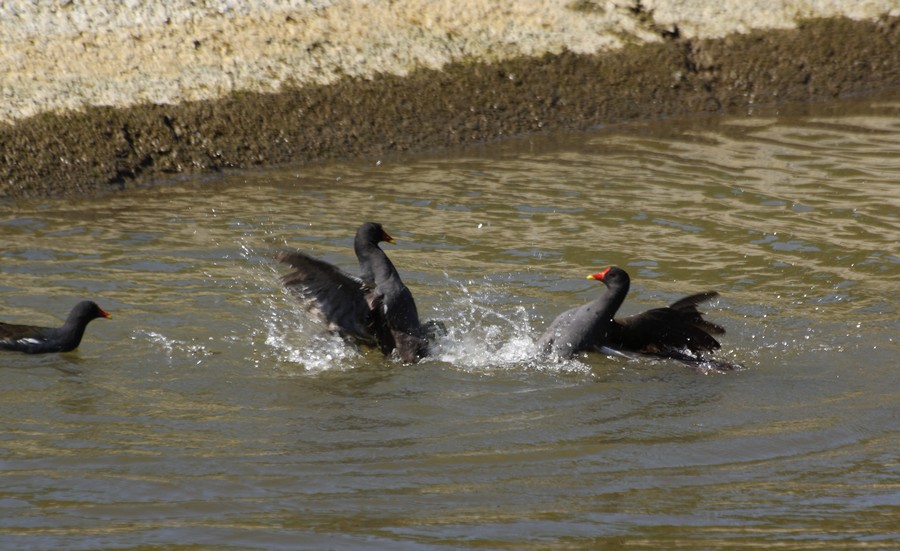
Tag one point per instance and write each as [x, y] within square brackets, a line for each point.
[599, 275]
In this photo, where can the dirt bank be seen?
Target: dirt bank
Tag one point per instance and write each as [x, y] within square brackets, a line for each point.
[104, 149]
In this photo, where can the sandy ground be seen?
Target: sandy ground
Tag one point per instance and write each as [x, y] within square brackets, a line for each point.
[97, 96]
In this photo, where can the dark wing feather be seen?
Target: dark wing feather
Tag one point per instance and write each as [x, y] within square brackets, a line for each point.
[688, 308]
[22, 337]
[342, 301]
[378, 325]
[669, 330]
[14, 332]
[396, 332]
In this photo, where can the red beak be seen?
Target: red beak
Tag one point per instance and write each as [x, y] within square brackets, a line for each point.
[599, 275]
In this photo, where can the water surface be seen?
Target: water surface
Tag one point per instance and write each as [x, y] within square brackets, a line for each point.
[211, 411]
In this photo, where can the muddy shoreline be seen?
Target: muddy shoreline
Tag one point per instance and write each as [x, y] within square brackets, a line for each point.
[105, 148]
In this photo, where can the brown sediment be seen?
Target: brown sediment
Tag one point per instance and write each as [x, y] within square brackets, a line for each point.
[106, 148]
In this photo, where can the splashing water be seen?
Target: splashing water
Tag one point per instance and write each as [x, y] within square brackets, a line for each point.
[479, 337]
[283, 332]
[486, 330]
[291, 337]
[174, 348]
[483, 334]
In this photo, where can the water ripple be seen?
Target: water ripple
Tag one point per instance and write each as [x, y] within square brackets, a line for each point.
[212, 396]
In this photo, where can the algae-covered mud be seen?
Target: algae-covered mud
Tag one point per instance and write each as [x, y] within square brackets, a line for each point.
[100, 148]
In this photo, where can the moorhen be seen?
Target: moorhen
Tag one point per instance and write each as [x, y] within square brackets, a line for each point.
[677, 331]
[374, 309]
[39, 340]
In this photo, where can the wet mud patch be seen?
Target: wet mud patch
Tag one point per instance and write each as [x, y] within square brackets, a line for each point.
[106, 148]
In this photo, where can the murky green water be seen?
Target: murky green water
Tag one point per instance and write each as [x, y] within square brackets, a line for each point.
[212, 412]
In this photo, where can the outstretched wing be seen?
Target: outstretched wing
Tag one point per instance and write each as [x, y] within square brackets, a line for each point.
[675, 328]
[340, 300]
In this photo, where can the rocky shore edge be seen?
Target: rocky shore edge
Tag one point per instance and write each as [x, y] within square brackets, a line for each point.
[102, 149]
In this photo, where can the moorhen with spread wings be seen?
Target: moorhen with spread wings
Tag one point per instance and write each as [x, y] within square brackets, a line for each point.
[38, 340]
[374, 309]
[677, 331]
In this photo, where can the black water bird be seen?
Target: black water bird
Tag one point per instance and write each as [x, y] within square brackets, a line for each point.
[677, 331]
[38, 340]
[374, 309]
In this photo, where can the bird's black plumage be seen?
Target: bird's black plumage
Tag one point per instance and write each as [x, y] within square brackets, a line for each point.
[374, 309]
[677, 331]
[37, 340]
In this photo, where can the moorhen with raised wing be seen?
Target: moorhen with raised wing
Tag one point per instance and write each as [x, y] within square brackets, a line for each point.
[374, 309]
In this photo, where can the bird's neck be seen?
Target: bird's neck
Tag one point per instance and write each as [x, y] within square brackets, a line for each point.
[372, 258]
[73, 329]
[612, 299]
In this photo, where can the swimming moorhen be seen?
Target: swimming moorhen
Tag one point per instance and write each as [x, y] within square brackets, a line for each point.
[677, 331]
[39, 340]
[375, 309]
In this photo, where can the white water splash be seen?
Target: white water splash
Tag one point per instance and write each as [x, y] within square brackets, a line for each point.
[291, 337]
[485, 334]
[479, 337]
[282, 332]
[486, 330]
[174, 348]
